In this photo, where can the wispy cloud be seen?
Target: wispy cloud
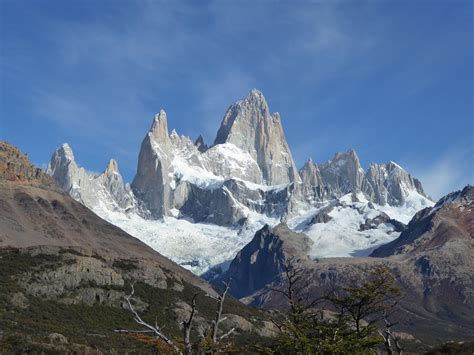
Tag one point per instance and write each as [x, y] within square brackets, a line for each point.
[451, 171]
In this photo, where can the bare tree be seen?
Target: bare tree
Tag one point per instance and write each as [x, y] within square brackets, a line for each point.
[211, 331]
[215, 323]
[187, 328]
[388, 336]
[156, 329]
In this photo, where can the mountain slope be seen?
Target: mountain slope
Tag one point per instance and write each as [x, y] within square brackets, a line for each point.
[450, 220]
[65, 273]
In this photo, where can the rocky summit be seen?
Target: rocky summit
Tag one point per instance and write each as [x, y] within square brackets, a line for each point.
[217, 197]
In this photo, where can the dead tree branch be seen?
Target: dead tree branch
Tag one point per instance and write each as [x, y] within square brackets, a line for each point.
[151, 328]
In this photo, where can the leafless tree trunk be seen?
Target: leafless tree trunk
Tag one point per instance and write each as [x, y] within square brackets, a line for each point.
[215, 323]
[388, 336]
[187, 328]
[151, 328]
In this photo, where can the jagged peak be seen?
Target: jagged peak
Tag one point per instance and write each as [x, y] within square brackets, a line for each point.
[256, 92]
[174, 133]
[276, 118]
[339, 157]
[392, 165]
[112, 167]
[65, 150]
[255, 99]
[159, 127]
[200, 144]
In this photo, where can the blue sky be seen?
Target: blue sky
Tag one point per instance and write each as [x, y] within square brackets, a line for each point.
[392, 79]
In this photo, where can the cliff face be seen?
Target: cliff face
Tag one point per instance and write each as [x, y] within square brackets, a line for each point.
[248, 125]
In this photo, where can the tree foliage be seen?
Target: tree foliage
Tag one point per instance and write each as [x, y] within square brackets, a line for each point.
[353, 326]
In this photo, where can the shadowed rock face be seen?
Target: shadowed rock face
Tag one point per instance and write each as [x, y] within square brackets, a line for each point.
[262, 260]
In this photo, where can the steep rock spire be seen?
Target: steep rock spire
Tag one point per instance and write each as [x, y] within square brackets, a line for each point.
[248, 125]
[159, 128]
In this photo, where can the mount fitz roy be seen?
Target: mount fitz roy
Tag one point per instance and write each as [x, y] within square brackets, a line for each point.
[200, 205]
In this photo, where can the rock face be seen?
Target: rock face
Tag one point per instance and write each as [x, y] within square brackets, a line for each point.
[263, 260]
[382, 183]
[390, 184]
[248, 125]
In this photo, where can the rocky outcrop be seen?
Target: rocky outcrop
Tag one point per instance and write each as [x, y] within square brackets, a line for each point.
[200, 145]
[15, 167]
[263, 260]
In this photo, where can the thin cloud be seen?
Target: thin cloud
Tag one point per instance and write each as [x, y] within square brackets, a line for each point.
[450, 172]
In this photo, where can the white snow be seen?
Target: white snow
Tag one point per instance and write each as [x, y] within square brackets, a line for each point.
[340, 237]
[195, 174]
[414, 202]
[195, 246]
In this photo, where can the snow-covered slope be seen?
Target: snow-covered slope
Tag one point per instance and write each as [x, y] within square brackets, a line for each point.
[353, 226]
[199, 205]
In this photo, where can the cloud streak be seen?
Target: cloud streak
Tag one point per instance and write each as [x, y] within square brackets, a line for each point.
[451, 171]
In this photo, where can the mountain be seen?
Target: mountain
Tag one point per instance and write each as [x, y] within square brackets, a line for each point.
[87, 188]
[66, 272]
[449, 222]
[262, 260]
[249, 125]
[432, 261]
[199, 205]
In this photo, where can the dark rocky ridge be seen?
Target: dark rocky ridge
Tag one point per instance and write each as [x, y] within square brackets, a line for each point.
[262, 260]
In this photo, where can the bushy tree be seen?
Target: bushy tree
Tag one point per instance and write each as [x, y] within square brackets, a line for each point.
[351, 327]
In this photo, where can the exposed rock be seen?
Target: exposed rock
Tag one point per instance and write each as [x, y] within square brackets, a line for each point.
[57, 338]
[373, 223]
[248, 125]
[343, 174]
[87, 188]
[262, 260]
[200, 145]
[390, 184]
[323, 215]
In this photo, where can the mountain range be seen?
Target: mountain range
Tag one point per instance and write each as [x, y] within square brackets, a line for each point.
[199, 204]
[73, 242]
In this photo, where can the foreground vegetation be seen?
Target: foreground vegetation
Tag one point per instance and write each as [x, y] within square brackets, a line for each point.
[352, 320]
